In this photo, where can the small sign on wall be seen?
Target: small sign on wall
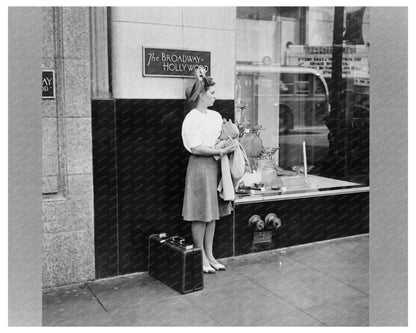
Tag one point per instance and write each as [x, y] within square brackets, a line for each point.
[262, 237]
[48, 84]
[174, 63]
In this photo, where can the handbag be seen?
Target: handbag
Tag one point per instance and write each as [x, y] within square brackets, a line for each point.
[239, 163]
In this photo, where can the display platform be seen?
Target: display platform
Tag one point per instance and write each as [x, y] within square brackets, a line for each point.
[310, 209]
[301, 187]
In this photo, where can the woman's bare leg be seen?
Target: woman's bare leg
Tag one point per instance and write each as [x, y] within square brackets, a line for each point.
[198, 235]
[208, 242]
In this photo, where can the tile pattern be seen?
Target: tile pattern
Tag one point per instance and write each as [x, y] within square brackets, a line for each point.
[307, 285]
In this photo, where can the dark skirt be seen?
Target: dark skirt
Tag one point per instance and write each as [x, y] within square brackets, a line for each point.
[201, 201]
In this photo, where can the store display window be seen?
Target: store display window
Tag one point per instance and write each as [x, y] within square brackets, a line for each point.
[301, 96]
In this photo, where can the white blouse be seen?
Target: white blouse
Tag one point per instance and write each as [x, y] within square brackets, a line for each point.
[201, 129]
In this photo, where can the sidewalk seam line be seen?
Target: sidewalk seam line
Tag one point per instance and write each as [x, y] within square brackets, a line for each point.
[330, 276]
[286, 301]
[203, 311]
[102, 305]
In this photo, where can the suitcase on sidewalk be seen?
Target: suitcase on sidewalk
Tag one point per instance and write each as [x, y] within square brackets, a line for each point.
[175, 263]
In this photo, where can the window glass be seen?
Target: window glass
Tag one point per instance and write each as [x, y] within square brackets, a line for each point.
[288, 100]
[257, 13]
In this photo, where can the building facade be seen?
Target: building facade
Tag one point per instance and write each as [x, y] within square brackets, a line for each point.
[113, 160]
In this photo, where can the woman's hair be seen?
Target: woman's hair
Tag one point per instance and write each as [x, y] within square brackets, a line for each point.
[200, 85]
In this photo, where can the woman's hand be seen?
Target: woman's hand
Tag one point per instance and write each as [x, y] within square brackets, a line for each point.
[221, 148]
[224, 143]
[230, 146]
[228, 142]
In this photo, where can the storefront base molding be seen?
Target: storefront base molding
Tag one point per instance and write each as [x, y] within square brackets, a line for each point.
[303, 220]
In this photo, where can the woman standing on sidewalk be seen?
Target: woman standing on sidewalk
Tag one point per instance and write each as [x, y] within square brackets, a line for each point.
[200, 131]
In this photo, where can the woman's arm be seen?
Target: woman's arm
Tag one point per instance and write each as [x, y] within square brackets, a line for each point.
[208, 151]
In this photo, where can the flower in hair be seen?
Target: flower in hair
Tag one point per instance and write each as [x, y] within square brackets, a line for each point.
[200, 73]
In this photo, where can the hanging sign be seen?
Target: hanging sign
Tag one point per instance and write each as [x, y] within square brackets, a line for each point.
[355, 61]
[174, 63]
[48, 84]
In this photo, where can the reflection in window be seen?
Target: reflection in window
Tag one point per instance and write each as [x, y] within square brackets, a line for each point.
[290, 106]
[283, 88]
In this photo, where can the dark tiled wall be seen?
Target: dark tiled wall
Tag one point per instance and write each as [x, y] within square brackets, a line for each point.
[304, 220]
[139, 166]
[105, 188]
[139, 175]
[151, 166]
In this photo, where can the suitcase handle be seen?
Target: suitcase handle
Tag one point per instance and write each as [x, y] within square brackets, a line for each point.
[173, 239]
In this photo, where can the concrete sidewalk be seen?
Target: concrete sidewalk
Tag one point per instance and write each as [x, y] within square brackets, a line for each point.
[319, 284]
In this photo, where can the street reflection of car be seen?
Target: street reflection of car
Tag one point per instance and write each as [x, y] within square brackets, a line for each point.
[299, 97]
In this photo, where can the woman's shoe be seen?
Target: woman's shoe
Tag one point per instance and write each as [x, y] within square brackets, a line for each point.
[208, 270]
[218, 266]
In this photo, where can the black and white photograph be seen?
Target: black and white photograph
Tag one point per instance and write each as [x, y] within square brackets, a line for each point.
[219, 166]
